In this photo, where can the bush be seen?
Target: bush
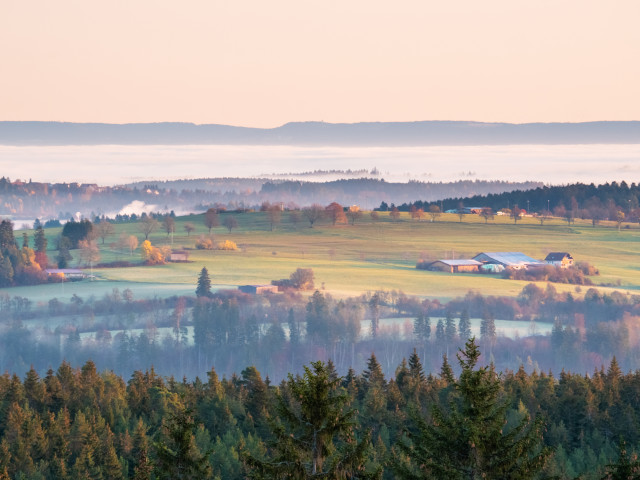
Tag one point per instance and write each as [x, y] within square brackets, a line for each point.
[549, 273]
[204, 244]
[301, 279]
[227, 245]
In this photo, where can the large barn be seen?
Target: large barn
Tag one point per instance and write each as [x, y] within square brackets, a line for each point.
[454, 266]
[515, 260]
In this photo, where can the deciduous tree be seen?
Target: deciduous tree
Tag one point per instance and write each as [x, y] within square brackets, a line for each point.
[335, 213]
[313, 213]
[169, 224]
[211, 219]
[434, 212]
[147, 226]
[189, 228]
[230, 222]
[104, 229]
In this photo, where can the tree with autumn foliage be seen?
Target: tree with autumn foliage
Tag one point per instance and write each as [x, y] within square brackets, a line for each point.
[335, 213]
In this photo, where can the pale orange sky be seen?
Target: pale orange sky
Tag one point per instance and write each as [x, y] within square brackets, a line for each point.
[264, 63]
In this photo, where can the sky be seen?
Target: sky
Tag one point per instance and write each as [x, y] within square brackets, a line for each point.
[264, 63]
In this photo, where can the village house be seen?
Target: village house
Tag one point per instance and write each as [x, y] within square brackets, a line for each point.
[559, 259]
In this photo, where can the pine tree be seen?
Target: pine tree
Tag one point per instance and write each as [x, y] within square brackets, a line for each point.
[464, 325]
[294, 329]
[143, 467]
[440, 335]
[315, 437]
[176, 451]
[204, 284]
[374, 307]
[469, 440]
[626, 468]
[415, 367]
[373, 373]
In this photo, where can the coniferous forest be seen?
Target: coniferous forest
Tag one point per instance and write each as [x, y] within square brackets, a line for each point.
[467, 421]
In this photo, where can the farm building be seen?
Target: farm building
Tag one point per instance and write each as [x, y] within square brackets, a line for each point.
[514, 260]
[65, 273]
[454, 266]
[559, 259]
[258, 289]
[179, 256]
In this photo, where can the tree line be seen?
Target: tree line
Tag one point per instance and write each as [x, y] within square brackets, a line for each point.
[593, 202]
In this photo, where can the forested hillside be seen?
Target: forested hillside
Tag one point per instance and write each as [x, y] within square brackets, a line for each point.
[80, 423]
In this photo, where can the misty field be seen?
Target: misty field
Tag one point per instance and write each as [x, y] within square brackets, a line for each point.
[370, 255]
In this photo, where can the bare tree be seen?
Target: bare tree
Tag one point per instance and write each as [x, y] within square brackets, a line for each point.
[487, 214]
[230, 222]
[147, 226]
[211, 219]
[434, 212]
[169, 224]
[89, 253]
[103, 229]
[313, 213]
[460, 211]
[354, 215]
[375, 216]
[516, 214]
[189, 228]
[294, 217]
[394, 213]
[274, 215]
[129, 242]
[543, 216]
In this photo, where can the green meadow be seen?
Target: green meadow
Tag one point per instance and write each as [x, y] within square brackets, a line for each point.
[352, 259]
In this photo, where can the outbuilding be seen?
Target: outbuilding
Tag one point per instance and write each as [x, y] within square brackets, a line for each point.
[454, 266]
[258, 289]
[515, 260]
[559, 259]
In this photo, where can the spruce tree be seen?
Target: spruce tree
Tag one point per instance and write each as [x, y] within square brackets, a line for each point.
[449, 330]
[204, 284]
[440, 334]
[626, 468]
[464, 325]
[314, 436]
[469, 440]
[176, 452]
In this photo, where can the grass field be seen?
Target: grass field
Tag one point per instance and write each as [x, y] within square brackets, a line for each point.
[349, 260]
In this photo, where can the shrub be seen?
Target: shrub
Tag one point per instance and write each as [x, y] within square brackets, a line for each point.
[227, 245]
[549, 273]
[204, 244]
[301, 279]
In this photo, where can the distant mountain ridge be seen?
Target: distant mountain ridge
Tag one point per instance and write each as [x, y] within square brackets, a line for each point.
[372, 134]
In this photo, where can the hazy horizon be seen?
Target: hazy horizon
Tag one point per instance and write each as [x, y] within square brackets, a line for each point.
[118, 164]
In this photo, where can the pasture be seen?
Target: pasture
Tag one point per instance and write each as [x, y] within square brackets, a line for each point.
[352, 259]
